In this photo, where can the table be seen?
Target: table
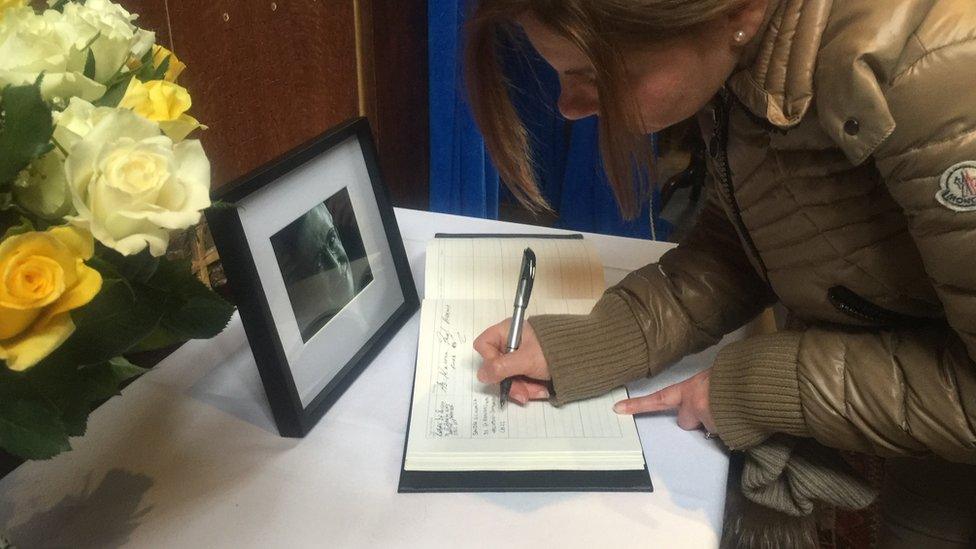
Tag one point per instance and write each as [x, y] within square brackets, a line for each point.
[188, 456]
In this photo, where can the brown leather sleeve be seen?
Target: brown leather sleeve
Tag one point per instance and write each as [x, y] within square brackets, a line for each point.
[698, 292]
[892, 392]
[933, 102]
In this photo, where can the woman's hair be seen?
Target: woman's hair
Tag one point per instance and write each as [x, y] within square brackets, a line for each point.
[603, 30]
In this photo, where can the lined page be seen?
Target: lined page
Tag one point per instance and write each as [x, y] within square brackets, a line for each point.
[488, 268]
[457, 423]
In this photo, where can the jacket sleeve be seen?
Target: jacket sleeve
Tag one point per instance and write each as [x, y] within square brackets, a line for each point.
[895, 391]
[698, 292]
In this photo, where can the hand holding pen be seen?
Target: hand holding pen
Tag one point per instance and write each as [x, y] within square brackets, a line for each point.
[526, 364]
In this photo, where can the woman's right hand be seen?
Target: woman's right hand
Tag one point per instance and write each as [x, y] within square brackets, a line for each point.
[526, 364]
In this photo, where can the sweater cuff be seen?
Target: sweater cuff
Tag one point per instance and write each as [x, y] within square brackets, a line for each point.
[754, 391]
[588, 355]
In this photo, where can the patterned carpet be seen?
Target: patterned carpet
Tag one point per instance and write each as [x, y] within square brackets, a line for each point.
[854, 529]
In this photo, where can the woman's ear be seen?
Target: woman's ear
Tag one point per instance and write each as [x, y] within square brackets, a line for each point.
[746, 21]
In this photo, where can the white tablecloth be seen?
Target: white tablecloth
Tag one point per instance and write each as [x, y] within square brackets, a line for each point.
[188, 456]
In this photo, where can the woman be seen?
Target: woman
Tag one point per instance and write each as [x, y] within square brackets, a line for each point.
[841, 143]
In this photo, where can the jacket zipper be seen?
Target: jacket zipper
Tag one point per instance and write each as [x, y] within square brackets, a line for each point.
[850, 303]
[719, 150]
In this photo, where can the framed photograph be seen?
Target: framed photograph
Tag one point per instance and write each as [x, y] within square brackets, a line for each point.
[314, 258]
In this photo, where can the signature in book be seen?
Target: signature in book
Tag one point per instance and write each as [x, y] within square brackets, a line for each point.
[445, 371]
[446, 333]
[485, 418]
[444, 423]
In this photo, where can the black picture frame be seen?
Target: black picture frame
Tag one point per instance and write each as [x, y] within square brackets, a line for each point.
[294, 419]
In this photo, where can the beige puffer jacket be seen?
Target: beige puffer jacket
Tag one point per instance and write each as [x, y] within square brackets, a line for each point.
[843, 160]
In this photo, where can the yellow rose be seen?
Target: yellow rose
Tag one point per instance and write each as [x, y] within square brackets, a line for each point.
[175, 65]
[6, 4]
[43, 277]
[163, 102]
[156, 100]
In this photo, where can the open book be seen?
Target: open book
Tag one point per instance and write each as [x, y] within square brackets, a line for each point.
[457, 424]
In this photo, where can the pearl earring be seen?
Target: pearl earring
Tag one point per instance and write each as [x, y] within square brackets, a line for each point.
[739, 36]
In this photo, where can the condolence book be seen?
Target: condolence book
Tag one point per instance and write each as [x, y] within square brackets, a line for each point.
[459, 438]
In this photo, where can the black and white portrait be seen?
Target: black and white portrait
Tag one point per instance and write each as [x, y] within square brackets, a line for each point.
[323, 262]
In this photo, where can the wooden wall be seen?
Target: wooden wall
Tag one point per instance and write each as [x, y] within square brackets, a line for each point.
[266, 75]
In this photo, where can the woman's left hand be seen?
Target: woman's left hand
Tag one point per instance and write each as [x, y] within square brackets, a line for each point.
[689, 398]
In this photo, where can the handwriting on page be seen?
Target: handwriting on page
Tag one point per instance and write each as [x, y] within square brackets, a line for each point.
[459, 406]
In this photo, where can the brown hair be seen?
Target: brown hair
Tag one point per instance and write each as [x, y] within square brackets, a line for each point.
[603, 30]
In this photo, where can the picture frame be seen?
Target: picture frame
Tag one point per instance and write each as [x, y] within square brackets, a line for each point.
[314, 258]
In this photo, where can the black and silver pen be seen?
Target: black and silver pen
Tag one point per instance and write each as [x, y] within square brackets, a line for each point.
[522, 294]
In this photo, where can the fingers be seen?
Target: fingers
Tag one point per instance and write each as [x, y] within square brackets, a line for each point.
[689, 398]
[524, 390]
[666, 399]
[491, 342]
[688, 419]
[496, 369]
[524, 361]
[519, 392]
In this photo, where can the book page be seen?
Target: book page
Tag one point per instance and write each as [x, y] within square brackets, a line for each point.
[488, 268]
[457, 423]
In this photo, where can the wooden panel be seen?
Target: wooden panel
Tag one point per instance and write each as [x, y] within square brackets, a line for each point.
[264, 75]
[152, 16]
[276, 73]
[395, 39]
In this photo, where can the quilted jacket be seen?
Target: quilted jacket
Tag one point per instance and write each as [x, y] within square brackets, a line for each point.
[842, 157]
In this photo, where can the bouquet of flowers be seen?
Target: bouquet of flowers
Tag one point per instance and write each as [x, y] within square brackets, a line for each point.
[96, 174]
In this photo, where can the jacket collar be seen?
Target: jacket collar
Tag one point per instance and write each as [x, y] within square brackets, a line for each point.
[775, 78]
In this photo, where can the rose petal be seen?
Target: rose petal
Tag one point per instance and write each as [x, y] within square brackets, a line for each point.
[27, 350]
[14, 321]
[80, 243]
[88, 285]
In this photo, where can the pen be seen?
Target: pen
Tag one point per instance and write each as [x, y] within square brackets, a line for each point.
[522, 293]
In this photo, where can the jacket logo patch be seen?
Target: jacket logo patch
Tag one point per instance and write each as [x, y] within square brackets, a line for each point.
[958, 190]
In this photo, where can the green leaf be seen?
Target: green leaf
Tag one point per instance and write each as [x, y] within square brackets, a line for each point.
[161, 69]
[25, 133]
[146, 70]
[25, 226]
[194, 311]
[89, 71]
[112, 323]
[123, 370]
[65, 392]
[221, 205]
[32, 430]
[59, 5]
[201, 316]
[70, 389]
[161, 338]
[138, 268]
[62, 387]
[113, 96]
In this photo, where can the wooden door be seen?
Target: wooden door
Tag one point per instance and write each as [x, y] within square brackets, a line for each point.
[267, 75]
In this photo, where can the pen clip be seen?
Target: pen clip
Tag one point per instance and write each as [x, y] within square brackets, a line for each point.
[526, 279]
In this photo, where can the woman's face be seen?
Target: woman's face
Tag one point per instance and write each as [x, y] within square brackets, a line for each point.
[670, 81]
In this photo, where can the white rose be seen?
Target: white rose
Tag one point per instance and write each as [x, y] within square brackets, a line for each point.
[117, 38]
[56, 43]
[129, 183]
[31, 44]
[76, 121]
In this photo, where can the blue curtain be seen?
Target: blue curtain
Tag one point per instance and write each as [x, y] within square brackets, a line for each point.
[462, 178]
[566, 154]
